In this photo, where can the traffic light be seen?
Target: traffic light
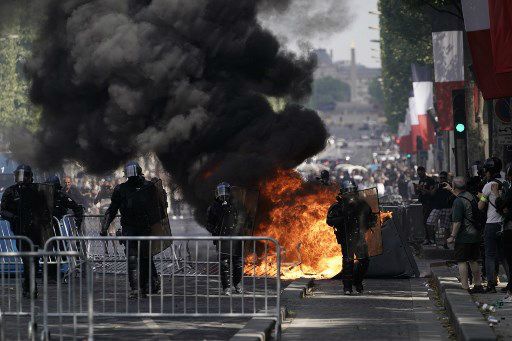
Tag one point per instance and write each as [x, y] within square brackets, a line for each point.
[459, 113]
[460, 132]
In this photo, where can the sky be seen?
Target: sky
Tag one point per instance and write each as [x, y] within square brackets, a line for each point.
[359, 33]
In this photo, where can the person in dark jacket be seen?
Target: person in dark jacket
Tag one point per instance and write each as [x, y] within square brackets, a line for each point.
[19, 208]
[225, 218]
[441, 204]
[140, 208]
[350, 217]
[63, 204]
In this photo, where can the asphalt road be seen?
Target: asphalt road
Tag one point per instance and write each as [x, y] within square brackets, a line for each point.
[391, 309]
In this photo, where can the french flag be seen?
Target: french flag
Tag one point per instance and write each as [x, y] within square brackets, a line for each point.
[448, 48]
[490, 45]
[408, 136]
[423, 88]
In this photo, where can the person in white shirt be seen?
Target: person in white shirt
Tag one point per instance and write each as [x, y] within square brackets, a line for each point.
[492, 171]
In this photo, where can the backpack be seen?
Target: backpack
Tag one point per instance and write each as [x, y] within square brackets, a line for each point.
[479, 216]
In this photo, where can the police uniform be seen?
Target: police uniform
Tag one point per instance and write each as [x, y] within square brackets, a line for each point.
[225, 219]
[135, 199]
[351, 217]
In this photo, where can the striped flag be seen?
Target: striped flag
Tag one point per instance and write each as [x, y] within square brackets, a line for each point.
[448, 51]
[478, 27]
[423, 88]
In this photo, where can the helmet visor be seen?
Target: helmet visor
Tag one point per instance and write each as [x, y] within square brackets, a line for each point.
[21, 176]
[130, 170]
[222, 191]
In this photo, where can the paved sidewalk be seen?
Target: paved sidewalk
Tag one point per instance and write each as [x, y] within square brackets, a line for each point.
[503, 328]
[390, 310]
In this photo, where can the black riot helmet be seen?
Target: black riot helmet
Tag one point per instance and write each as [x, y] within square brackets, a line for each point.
[223, 192]
[493, 165]
[324, 175]
[347, 187]
[132, 169]
[23, 174]
[54, 181]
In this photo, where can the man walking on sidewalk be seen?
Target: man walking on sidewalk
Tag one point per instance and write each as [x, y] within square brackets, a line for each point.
[465, 235]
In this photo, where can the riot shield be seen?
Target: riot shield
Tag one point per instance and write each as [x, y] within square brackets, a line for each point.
[373, 236]
[247, 199]
[42, 211]
[162, 227]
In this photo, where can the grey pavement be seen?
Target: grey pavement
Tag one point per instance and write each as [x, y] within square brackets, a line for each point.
[390, 309]
[503, 313]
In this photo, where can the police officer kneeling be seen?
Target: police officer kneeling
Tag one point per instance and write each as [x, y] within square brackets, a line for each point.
[351, 216]
[135, 200]
[225, 218]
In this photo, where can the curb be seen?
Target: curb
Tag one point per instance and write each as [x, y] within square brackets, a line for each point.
[435, 253]
[260, 328]
[297, 288]
[469, 323]
[257, 329]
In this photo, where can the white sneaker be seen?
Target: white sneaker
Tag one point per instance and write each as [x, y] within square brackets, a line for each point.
[227, 292]
[174, 217]
[181, 217]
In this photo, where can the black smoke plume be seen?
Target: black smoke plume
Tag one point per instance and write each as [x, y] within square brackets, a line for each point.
[188, 80]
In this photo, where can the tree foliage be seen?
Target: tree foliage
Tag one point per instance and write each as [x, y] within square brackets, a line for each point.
[405, 39]
[16, 36]
[375, 91]
[327, 91]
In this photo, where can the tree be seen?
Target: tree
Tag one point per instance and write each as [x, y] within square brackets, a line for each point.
[16, 36]
[327, 91]
[375, 91]
[405, 39]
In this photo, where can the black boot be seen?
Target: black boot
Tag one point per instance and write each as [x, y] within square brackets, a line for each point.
[347, 287]
[225, 274]
[136, 284]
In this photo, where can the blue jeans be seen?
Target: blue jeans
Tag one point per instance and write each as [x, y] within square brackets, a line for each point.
[491, 251]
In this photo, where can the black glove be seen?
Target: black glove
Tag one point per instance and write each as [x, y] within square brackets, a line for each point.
[104, 232]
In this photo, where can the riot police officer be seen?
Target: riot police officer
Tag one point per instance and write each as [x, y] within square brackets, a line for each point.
[140, 208]
[351, 217]
[62, 203]
[19, 208]
[226, 218]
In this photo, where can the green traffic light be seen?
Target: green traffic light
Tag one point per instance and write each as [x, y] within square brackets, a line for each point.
[408, 156]
[460, 127]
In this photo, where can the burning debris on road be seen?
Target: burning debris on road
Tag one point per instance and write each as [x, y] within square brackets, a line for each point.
[294, 213]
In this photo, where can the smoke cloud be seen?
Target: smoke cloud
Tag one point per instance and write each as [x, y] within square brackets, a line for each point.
[302, 20]
[188, 80]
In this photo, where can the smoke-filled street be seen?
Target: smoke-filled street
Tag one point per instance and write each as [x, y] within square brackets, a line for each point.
[255, 170]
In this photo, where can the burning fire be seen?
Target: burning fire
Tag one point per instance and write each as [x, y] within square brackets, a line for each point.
[296, 218]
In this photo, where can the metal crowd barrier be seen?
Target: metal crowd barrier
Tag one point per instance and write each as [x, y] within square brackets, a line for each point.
[180, 294]
[19, 310]
[111, 257]
[13, 310]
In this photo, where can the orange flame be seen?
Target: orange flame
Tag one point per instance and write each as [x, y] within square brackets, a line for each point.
[297, 213]
[296, 218]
